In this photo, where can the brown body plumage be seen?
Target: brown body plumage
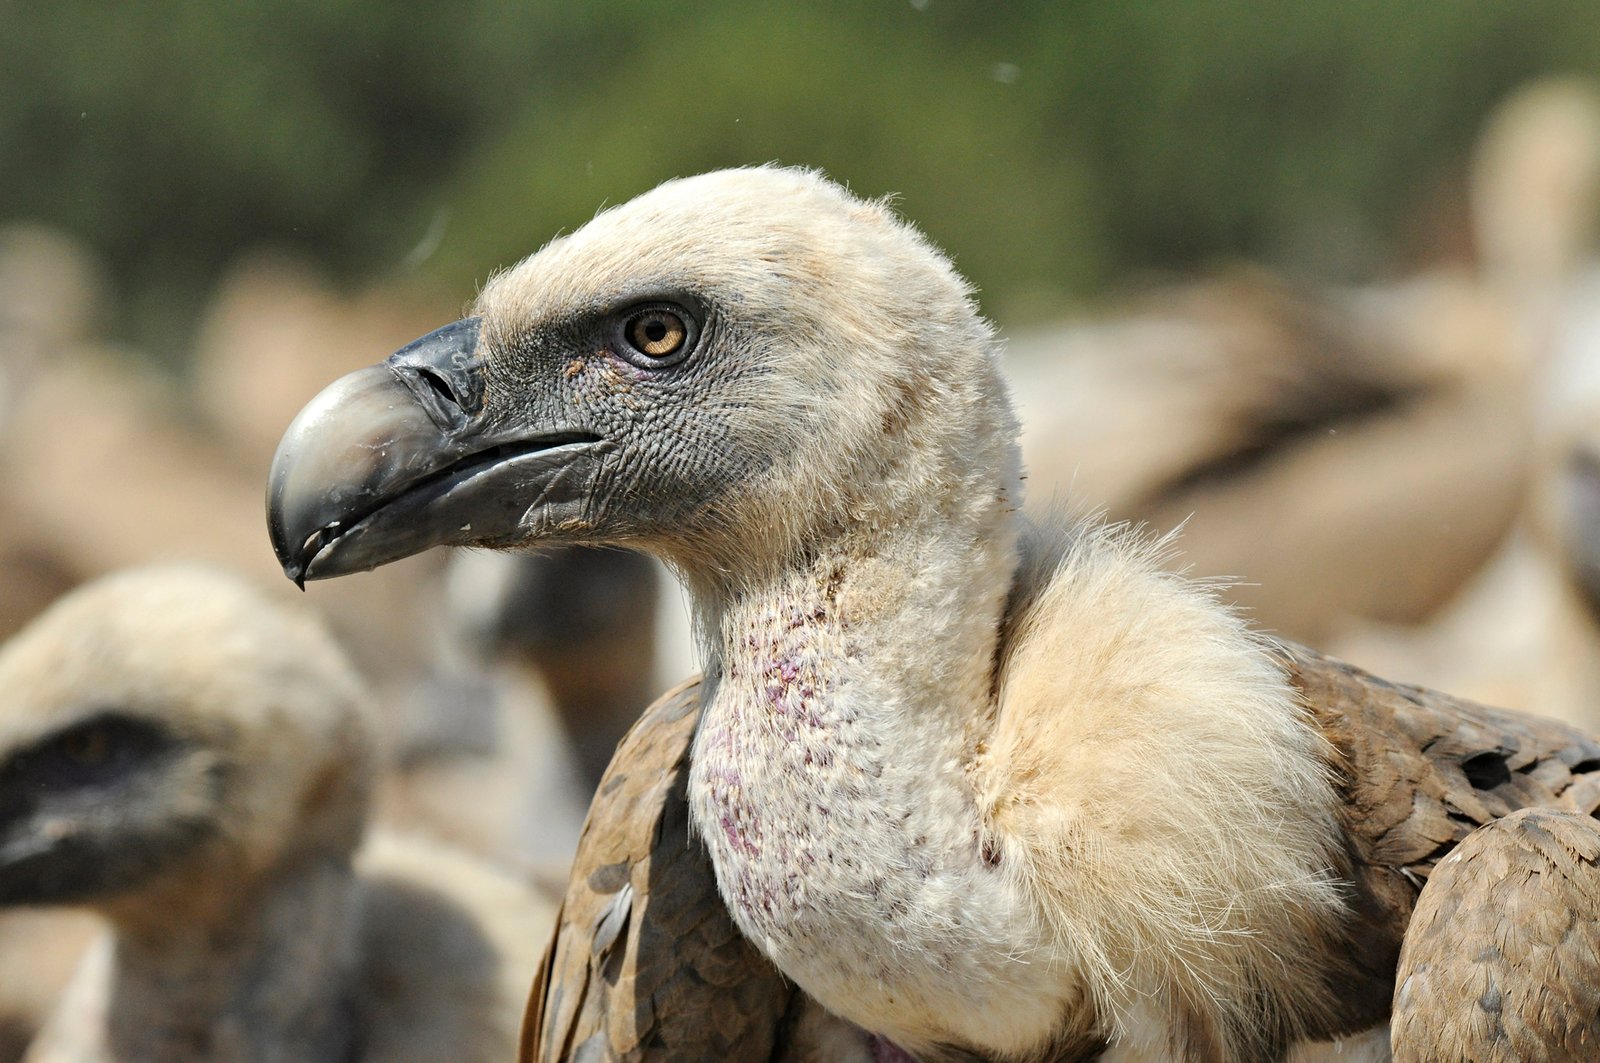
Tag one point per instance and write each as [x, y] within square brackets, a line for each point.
[1502, 958]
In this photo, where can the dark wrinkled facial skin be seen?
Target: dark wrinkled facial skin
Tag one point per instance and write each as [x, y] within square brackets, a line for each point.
[87, 812]
[677, 450]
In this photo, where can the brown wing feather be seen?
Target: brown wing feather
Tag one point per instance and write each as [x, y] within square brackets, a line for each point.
[645, 963]
[1419, 772]
[1502, 960]
[1422, 770]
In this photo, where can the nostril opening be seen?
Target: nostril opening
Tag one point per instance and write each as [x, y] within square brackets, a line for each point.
[440, 387]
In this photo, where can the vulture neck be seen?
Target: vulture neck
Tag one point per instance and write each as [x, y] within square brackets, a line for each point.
[259, 973]
[848, 696]
[901, 627]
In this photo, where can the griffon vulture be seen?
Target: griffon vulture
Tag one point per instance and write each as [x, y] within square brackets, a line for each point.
[191, 761]
[977, 788]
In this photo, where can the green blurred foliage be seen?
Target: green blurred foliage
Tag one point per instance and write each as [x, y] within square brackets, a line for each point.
[1052, 147]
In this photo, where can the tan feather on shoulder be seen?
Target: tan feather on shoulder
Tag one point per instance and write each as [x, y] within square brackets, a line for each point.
[1152, 779]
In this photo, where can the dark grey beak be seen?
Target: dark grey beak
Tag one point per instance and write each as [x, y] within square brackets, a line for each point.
[391, 460]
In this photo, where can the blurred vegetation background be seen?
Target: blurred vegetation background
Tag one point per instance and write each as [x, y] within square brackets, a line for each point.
[1051, 147]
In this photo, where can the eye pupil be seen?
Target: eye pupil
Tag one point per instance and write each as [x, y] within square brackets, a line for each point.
[655, 331]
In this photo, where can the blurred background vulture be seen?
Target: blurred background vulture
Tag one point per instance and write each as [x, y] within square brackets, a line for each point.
[192, 763]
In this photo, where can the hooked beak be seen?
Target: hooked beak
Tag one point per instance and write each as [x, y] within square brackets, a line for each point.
[393, 459]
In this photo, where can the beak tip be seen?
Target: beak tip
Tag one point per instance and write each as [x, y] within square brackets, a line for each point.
[294, 571]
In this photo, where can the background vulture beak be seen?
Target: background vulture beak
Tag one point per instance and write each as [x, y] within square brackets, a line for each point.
[390, 460]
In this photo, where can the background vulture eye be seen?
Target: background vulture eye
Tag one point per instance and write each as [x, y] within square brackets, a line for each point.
[87, 746]
[97, 752]
[658, 334]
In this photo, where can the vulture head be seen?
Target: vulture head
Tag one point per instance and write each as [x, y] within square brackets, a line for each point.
[169, 730]
[725, 371]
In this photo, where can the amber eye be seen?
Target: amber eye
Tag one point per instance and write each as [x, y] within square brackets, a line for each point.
[656, 333]
[88, 746]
